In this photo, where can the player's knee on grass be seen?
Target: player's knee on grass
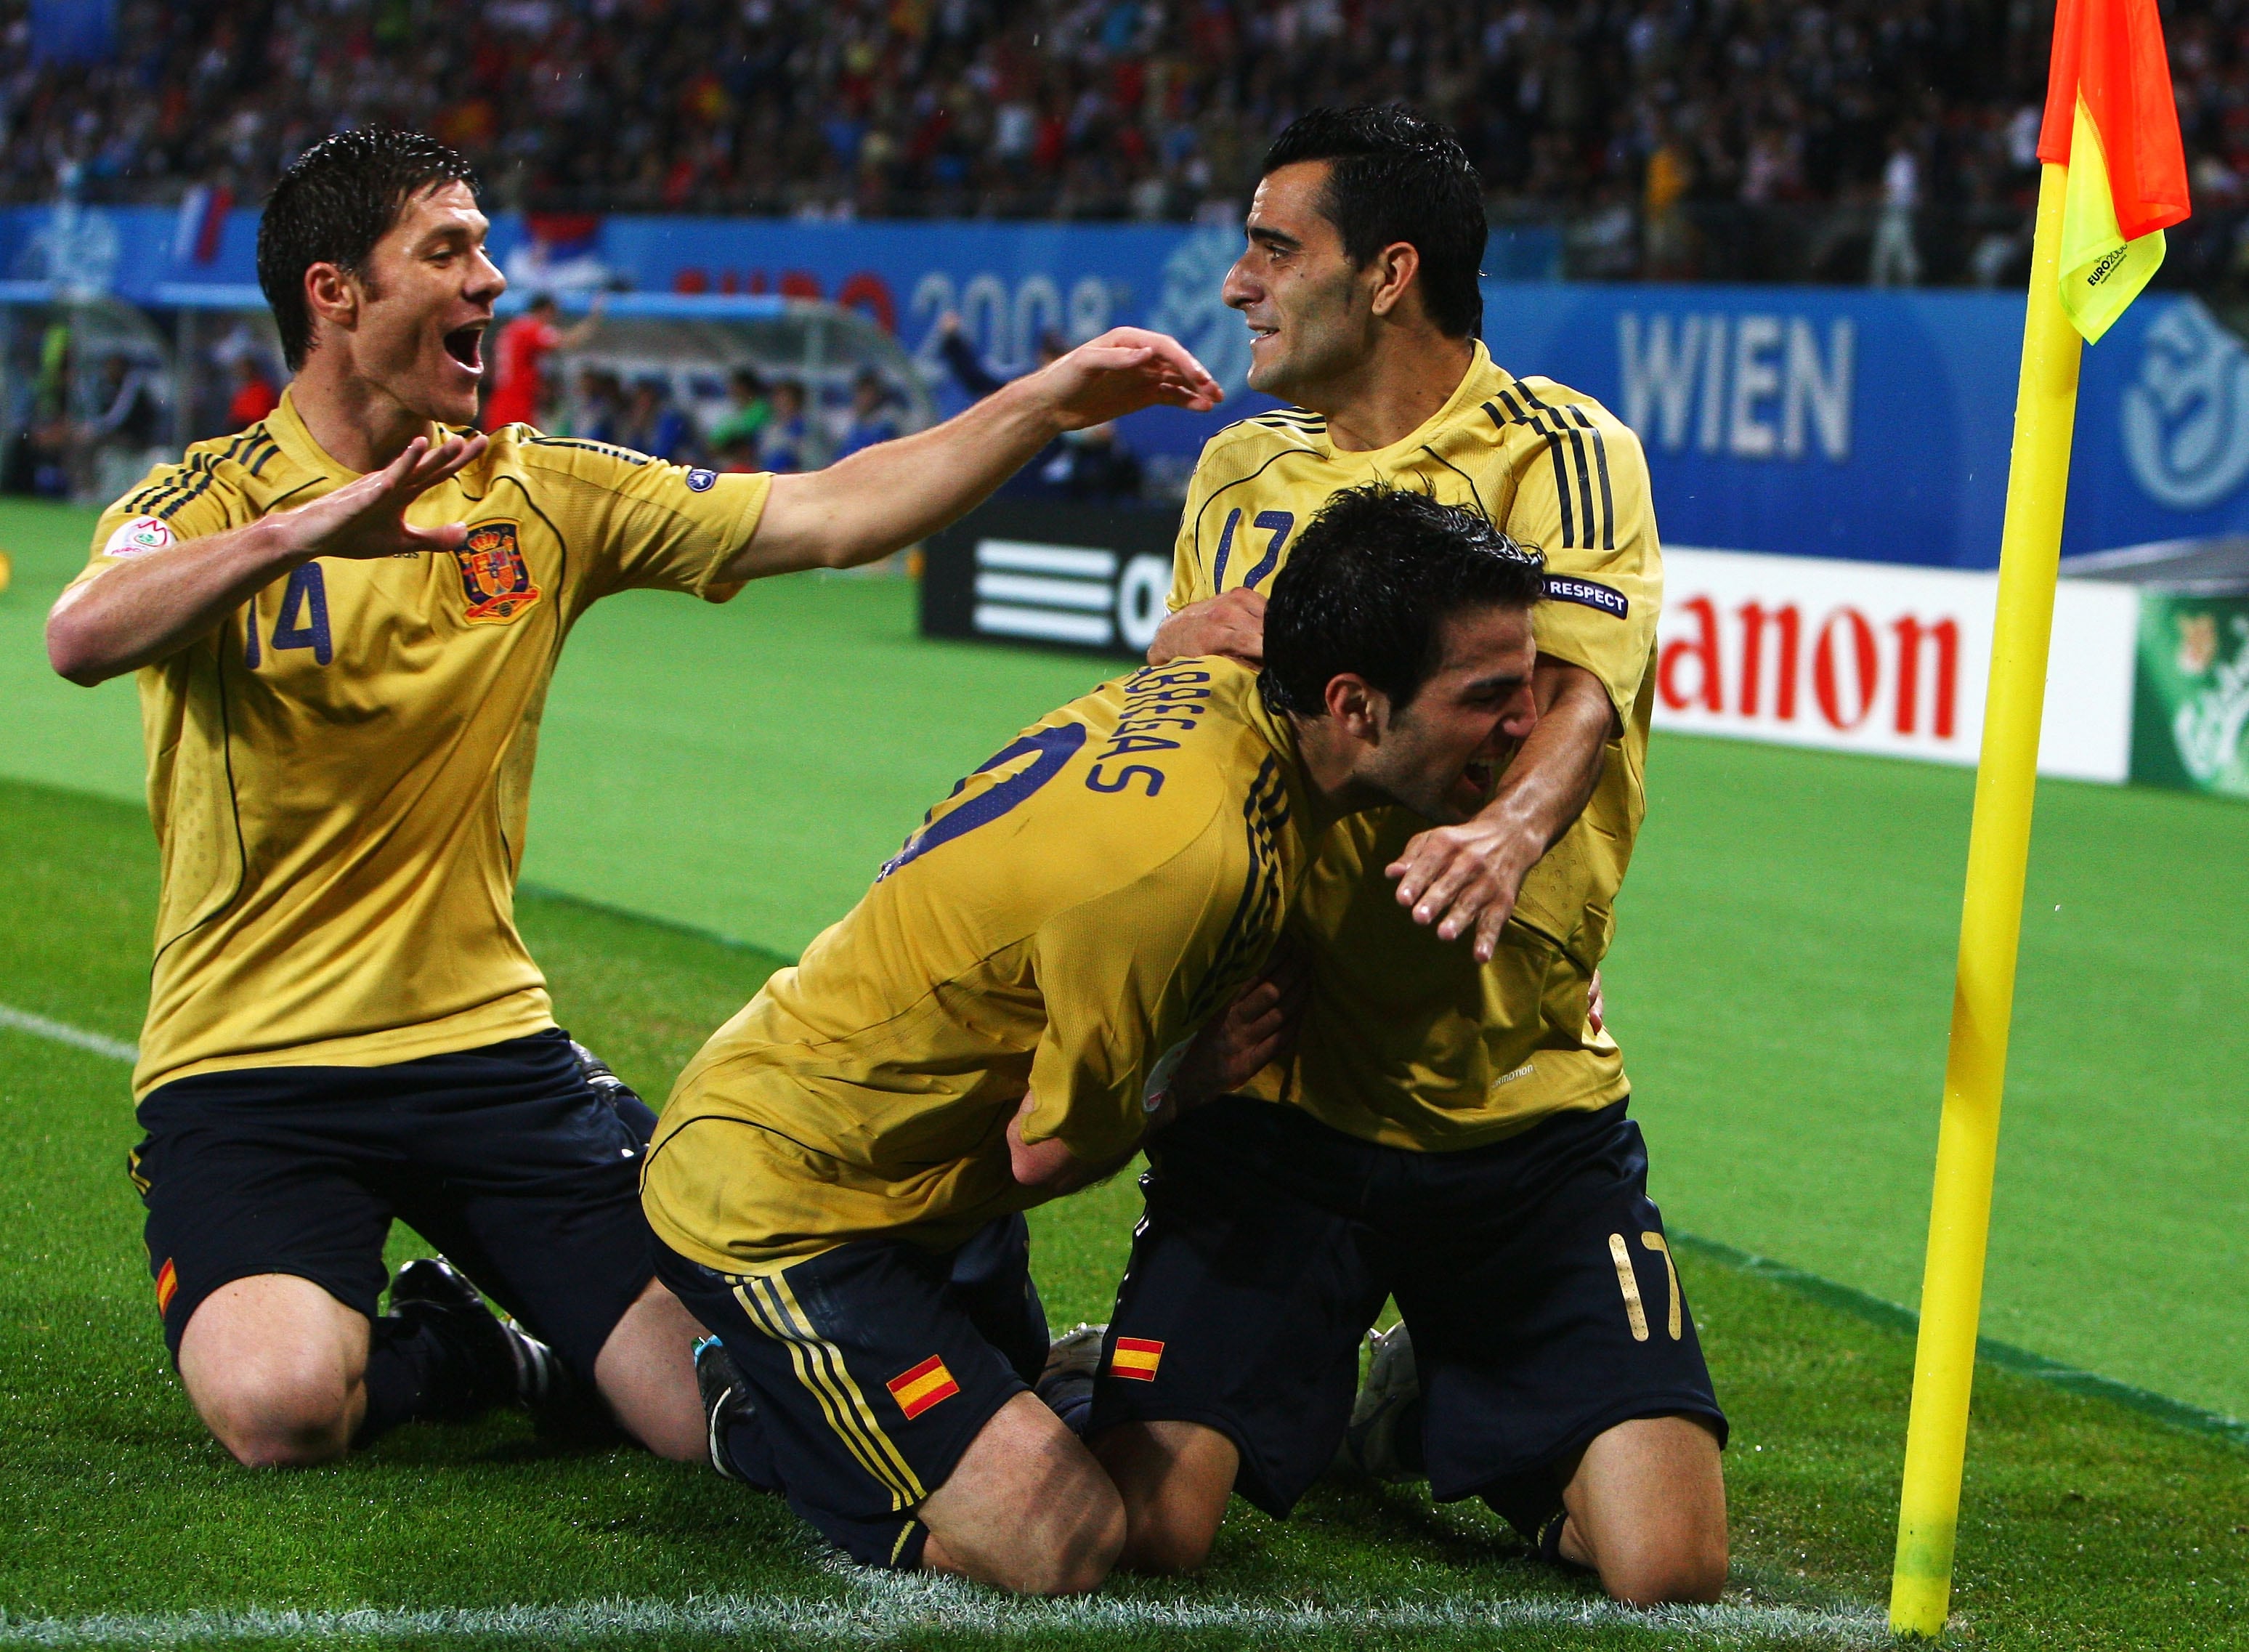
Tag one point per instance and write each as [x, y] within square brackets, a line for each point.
[274, 1365]
[1174, 1479]
[1648, 1508]
[1027, 1510]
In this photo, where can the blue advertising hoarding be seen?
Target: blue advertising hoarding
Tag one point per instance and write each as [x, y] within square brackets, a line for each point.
[1829, 422]
[1876, 426]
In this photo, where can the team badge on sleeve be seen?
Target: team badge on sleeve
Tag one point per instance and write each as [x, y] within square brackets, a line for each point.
[494, 576]
[1137, 1358]
[923, 1386]
[700, 480]
[140, 536]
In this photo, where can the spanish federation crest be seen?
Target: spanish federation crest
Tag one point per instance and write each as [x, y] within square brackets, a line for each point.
[494, 576]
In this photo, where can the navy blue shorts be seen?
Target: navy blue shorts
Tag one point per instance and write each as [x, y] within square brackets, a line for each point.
[503, 1158]
[1533, 1273]
[873, 1366]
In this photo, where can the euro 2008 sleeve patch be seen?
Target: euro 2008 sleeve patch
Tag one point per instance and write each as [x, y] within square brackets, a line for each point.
[139, 537]
[494, 577]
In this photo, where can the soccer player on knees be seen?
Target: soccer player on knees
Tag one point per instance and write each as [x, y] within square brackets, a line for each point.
[1009, 1012]
[1453, 1126]
[344, 619]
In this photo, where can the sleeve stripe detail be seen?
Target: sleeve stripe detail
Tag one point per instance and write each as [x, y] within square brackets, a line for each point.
[1257, 914]
[193, 478]
[1560, 418]
[604, 448]
[1601, 463]
[1574, 426]
[188, 475]
[210, 471]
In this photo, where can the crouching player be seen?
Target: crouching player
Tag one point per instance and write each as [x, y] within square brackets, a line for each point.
[839, 1174]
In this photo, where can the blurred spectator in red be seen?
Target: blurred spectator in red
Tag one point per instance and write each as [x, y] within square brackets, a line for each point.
[254, 395]
[524, 343]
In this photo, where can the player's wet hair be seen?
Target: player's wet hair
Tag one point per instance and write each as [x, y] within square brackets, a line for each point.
[1368, 589]
[333, 203]
[1399, 176]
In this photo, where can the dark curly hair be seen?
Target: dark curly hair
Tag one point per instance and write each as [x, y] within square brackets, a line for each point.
[1399, 176]
[1368, 587]
[333, 203]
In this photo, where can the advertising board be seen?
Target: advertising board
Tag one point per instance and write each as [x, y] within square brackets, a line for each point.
[2192, 699]
[1862, 424]
[1849, 656]
[1865, 658]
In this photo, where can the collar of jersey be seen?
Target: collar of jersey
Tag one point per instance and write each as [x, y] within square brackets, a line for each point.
[295, 438]
[1483, 380]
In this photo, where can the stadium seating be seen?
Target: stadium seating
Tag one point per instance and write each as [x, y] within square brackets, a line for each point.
[1728, 140]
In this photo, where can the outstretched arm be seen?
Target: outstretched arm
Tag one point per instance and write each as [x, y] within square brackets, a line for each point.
[150, 609]
[888, 496]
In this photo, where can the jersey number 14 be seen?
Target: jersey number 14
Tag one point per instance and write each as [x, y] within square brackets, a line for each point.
[303, 621]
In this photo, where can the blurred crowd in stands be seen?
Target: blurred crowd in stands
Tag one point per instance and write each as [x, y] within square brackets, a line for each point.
[1834, 139]
[771, 421]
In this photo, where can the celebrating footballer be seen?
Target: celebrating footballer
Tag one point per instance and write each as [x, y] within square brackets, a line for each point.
[1311, 908]
[344, 620]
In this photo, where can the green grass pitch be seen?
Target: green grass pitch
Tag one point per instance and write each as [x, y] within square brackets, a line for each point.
[1781, 988]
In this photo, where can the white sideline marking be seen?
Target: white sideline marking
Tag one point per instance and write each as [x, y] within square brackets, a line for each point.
[878, 1610]
[40, 1027]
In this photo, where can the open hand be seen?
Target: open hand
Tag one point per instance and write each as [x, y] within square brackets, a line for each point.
[1250, 1034]
[367, 519]
[1231, 623]
[1466, 878]
[1124, 370]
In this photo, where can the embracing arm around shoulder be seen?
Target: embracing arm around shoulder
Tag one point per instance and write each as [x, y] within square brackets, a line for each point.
[888, 496]
[1466, 878]
[135, 613]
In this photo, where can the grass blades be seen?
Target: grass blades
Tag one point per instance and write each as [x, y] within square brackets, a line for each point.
[2087, 1526]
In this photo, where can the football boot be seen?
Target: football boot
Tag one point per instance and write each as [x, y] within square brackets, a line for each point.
[1383, 1439]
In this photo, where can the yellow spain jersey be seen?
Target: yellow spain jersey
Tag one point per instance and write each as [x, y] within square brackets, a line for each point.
[1408, 1040]
[339, 775]
[1062, 924]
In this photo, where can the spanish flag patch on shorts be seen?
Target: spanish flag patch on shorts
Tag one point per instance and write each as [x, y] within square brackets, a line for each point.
[923, 1386]
[1137, 1358]
[168, 1284]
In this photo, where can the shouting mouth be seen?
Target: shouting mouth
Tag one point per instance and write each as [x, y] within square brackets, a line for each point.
[465, 344]
[1473, 790]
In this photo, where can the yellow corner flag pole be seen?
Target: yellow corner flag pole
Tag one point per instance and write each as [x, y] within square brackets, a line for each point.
[1991, 927]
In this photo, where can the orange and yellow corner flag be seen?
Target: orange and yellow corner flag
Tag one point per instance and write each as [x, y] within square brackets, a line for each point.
[2111, 121]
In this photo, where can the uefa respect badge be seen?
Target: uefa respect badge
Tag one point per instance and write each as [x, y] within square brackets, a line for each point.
[140, 536]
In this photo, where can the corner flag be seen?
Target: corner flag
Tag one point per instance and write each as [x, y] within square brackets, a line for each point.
[2111, 121]
[2113, 178]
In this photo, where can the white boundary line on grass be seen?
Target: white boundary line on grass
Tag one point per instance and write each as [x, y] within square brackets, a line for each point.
[881, 1610]
[40, 1027]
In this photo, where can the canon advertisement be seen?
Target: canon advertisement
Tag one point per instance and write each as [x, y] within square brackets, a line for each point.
[1852, 656]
